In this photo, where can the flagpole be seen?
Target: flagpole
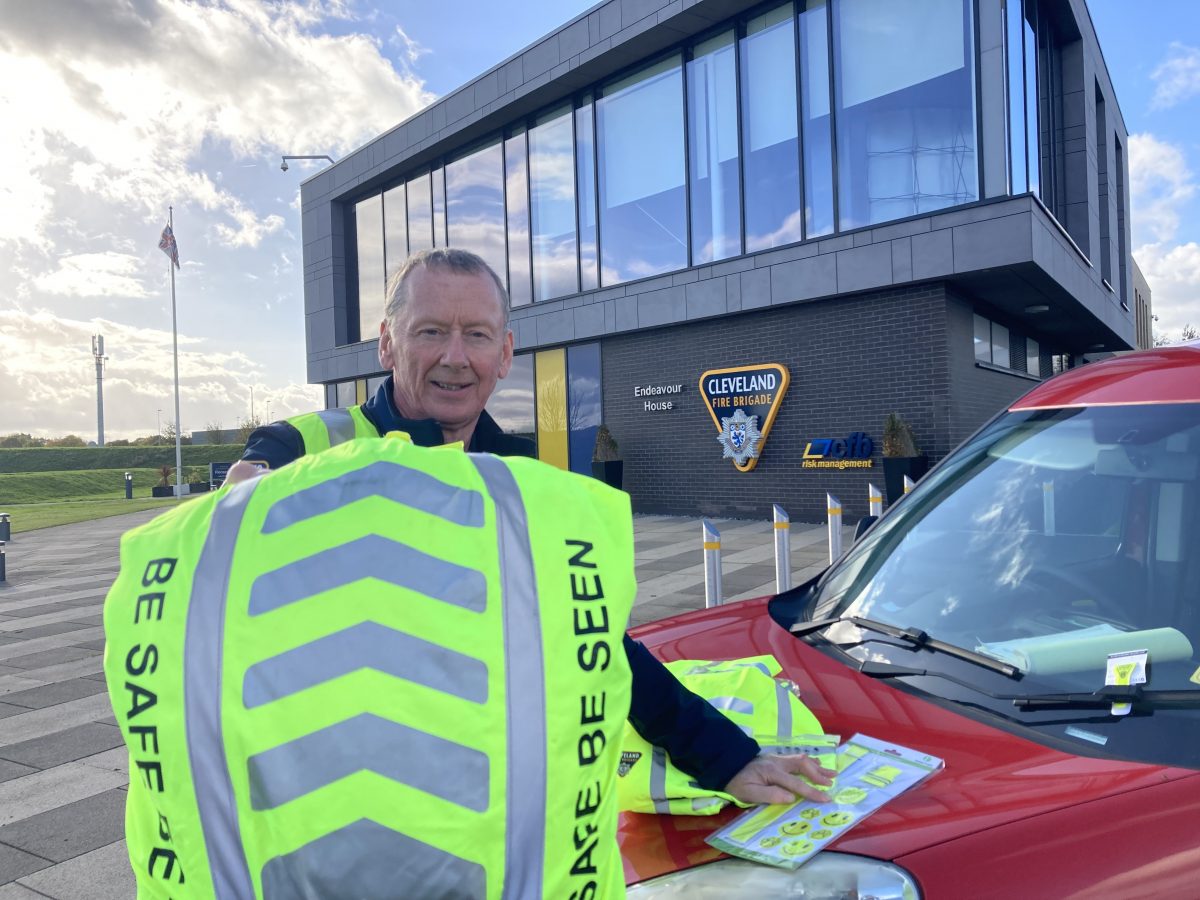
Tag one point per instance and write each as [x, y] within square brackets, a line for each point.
[175, 353]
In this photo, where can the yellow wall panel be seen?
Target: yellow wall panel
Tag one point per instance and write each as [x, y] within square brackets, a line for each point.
[550, 368]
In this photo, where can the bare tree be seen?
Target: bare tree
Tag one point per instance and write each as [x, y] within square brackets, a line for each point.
[216, 434]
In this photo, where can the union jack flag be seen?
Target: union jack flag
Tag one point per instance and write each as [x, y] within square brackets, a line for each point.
[168, 246]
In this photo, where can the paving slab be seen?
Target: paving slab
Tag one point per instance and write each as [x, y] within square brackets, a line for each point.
[11, 770]
[14, 863]
[101, 874]
[73, 829]
[51, 750]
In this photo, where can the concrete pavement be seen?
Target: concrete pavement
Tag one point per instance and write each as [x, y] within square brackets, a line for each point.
[63, 767]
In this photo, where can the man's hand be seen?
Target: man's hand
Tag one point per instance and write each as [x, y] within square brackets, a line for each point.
[773, 779]
[242, 471]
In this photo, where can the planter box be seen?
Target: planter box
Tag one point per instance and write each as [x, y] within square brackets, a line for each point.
[609, 471]
[162, 491]
[197, 487]
[894, 470]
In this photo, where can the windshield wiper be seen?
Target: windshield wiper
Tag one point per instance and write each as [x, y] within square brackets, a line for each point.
[1110, 694]
[917, 638]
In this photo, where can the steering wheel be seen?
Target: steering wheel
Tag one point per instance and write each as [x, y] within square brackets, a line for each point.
[1071, 586]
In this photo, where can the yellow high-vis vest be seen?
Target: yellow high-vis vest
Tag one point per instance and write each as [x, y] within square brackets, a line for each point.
[380, 671]
[745, 691]
[330, 427]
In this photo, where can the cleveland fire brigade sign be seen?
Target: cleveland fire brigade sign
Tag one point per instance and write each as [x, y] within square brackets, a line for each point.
[743, 402]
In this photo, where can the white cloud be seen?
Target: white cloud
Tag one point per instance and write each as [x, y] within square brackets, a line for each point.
[1160, 183]
[1173, 273]
[1177, 78]
[94, 275]
[47, 368]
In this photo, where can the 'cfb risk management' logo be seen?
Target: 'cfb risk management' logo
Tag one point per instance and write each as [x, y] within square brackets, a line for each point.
[743, 402]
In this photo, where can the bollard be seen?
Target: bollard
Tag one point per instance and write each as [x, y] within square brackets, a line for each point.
[834, 508]
[1048, 508]
[783, 550]
[712, 564]
[128, 485]
[909, 484]
[5, 528]
[875, 496]
[1, 562]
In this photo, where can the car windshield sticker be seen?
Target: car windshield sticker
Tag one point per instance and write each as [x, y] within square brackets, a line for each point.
[1074, 732]
[1125, 669]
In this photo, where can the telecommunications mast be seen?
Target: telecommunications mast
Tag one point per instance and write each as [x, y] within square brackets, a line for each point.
[98, 353]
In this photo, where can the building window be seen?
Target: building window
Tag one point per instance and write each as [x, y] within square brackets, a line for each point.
[585, 189]
[1033, 358]
[552, 206]
[905, 121]
[713, 150]
[584, 409]
[395, 229]
[1102, 201]
[475, 204]
[991, 343]
[374, 383]
[1014, 60]
[770, 155]
[420, 214]
[818, 129]
[550, 371]
[368, 230]
[347, 393]
[512, 403]
[1122, 255]
[438, 177]
[643, 209]
[516, 201]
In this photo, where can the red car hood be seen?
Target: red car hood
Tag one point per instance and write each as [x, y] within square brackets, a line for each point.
[991, 778]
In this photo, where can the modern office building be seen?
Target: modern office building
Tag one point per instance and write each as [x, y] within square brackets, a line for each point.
[1143, 312]
[909, 206]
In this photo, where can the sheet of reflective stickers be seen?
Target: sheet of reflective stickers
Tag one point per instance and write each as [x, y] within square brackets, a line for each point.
[870, 774]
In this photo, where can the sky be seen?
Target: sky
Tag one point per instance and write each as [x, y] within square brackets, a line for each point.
[115, 110]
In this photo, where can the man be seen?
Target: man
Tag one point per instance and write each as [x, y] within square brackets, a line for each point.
[446, 340]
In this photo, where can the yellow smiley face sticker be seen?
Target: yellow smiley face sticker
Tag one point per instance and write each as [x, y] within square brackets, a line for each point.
[797, 848]
[769, 842]
[821, 833]
[838, 819]
[809, 813]
[794, 828]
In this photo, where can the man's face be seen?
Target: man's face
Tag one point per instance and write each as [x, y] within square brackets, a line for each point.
[447, 348]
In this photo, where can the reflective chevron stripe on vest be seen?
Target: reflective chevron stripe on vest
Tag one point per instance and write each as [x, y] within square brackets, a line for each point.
[746, 691]
[364, 676]
[329, 427]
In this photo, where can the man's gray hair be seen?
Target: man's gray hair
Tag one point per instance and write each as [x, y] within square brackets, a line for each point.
[448, 259]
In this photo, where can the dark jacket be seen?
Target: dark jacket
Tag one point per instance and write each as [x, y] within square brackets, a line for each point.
[700, 740]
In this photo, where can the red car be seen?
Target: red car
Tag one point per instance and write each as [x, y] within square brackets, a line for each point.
[974, 622]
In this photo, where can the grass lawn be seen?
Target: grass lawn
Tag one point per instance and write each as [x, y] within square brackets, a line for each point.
[85, 484]
[31, 516]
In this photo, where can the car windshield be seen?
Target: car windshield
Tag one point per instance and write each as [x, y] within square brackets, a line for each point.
[1050, 540]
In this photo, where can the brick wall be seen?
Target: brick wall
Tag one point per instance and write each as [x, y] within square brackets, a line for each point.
[852, 361]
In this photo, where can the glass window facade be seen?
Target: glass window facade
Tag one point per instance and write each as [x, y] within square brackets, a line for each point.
[395, 229]
[347, 393]
[584, 407]
[368, 229]
[516, 200]
[771, 165]
[512, 403]
[420, 214]
[713, 150]
[815, 95]
[905, 121]
[788, 123]
[552, 206]
[585, 188]
[643, 206]
[1033, 358]
[475, 204]
[550, 369]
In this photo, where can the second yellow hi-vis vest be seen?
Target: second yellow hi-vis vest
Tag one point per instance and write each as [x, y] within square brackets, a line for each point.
[382, 671]
[330, 427]
[747, 692]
